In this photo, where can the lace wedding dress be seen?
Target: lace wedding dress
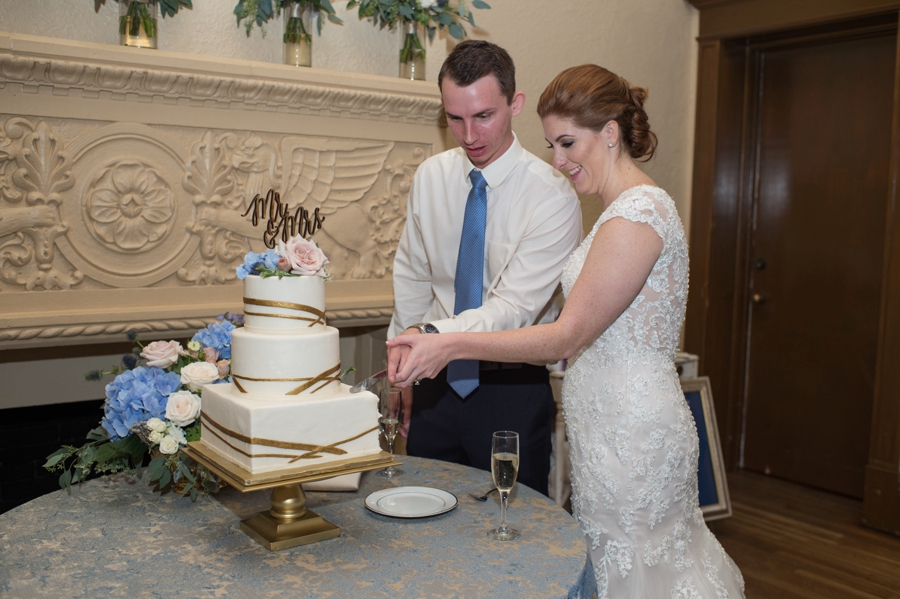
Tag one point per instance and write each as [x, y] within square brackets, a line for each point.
[633, 441]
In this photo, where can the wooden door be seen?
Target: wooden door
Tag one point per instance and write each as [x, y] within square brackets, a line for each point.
[821, 151]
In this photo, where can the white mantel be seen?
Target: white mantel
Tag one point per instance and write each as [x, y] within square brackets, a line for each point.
[123, 175]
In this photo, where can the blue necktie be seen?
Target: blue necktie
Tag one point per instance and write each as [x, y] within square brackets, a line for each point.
[463, 374]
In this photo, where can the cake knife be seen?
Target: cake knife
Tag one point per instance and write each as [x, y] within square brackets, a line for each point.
[363, 385]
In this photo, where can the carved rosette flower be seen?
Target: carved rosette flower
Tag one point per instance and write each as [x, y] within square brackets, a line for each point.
[130, 206]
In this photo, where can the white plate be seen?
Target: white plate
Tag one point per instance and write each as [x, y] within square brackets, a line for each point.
[411, 502]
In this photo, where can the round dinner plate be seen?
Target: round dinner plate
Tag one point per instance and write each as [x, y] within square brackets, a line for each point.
[411, 502]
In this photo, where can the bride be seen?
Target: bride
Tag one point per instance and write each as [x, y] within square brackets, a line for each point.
[634, 446]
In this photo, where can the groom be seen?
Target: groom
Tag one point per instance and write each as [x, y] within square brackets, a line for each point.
[488, 228]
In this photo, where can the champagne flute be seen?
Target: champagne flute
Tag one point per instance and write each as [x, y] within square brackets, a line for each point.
[504, 468]
[390, 406]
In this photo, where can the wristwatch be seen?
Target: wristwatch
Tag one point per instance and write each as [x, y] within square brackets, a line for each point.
[424, 327]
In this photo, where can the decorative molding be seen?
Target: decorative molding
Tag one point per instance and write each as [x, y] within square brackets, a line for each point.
[110, 221]
[141, 85]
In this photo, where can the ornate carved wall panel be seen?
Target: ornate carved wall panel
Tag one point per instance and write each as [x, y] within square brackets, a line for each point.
[124, 175]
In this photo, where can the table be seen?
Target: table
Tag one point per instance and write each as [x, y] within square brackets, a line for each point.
[115, 537]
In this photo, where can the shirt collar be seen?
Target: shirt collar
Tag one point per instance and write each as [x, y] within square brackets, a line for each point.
[497, 171]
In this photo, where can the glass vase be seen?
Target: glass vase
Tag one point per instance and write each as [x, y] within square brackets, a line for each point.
[137, 23]
[412, 53]
[298, 20]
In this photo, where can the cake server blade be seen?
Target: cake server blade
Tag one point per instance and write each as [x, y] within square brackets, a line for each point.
[363, 385]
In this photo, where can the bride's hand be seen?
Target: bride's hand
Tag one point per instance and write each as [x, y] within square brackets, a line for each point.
[423, 358]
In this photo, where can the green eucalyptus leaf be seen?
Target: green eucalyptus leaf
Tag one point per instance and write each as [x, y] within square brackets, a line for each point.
[165, 479]
[193, 494]
[103, 454]
[480, 4]
[157, 467]
[457, 32]
[65, 480]
[97, 434]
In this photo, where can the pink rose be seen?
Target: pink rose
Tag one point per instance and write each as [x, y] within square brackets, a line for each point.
[162, 354]
[211, 354]
[284, 264]
[223, 367]
[305, 256]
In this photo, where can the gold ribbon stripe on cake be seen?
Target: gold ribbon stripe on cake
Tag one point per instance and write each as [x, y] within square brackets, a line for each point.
[330, 375]
[319, 314]
[311, 451]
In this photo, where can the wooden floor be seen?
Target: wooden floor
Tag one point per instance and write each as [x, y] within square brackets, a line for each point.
[793, 542]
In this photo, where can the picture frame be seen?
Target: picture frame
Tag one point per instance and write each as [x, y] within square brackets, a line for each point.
[715, 502]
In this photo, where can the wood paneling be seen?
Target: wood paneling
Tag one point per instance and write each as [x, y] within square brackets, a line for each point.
[723, 19]
[716, 308]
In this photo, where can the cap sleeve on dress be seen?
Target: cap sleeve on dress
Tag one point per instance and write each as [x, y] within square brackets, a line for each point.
[640, 205]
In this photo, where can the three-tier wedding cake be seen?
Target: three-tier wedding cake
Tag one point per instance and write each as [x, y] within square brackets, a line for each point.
[286, 406]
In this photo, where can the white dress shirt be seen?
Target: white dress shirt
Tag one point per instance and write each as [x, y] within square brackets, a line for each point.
[533, 224]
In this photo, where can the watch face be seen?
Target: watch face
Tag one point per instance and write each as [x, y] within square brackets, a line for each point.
[430, 328]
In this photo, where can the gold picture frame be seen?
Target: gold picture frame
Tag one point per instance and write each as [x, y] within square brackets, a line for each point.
[715, 502]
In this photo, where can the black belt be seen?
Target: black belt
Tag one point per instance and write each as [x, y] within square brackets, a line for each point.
[485, 365]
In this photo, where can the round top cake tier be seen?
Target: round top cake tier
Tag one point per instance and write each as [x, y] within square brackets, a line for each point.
[283, 306]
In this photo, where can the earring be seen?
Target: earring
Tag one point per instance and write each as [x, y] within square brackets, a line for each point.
[611, 144]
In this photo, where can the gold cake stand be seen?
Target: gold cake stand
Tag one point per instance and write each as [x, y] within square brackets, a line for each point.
[288, 523]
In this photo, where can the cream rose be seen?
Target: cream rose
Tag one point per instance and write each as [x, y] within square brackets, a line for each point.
[197, 374]
[162, 354]
[168, 445]
[156, 436]
[426, 4]
[156, 425]
[305, 256]
[183, 407]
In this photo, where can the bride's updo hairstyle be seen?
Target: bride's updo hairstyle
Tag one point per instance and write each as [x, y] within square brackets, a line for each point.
[591, 96]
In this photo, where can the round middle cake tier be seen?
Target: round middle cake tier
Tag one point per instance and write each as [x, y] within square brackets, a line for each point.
[289, 365]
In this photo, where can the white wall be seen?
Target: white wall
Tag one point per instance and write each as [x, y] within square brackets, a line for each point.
[649, 42]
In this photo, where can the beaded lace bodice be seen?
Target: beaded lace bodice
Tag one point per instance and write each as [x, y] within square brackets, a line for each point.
[633, 443]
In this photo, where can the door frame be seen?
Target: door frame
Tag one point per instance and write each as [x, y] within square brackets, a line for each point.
[717, 309]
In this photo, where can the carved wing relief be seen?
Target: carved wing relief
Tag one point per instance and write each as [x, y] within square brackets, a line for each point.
[128, 205]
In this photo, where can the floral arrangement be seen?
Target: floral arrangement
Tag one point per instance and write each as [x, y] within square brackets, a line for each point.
[153, 406]
[295, 257]
[260, 11]
[431, 14]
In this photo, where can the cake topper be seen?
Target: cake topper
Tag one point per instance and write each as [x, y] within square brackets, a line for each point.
[279, 220]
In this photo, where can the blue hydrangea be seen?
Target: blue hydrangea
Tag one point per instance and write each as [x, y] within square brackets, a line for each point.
[136, 396]
[217, 336]
[252, 261]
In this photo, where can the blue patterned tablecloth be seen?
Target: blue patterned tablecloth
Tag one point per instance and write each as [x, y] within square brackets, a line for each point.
[115, 537]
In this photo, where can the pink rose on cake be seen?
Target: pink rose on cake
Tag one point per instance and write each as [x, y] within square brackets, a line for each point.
[305, 257]
[162, 354]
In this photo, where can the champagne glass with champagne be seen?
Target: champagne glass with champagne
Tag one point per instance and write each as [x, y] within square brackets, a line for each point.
[390, 406]
[504, 468]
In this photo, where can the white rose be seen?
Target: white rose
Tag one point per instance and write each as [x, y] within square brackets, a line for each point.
[426, 4]
[183, 407]
[176, 432]
[196, 374]
[162, 354]
[156, 436]
[156, 425]
[168, 445]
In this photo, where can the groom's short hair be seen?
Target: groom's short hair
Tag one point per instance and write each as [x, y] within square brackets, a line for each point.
[471, 60]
